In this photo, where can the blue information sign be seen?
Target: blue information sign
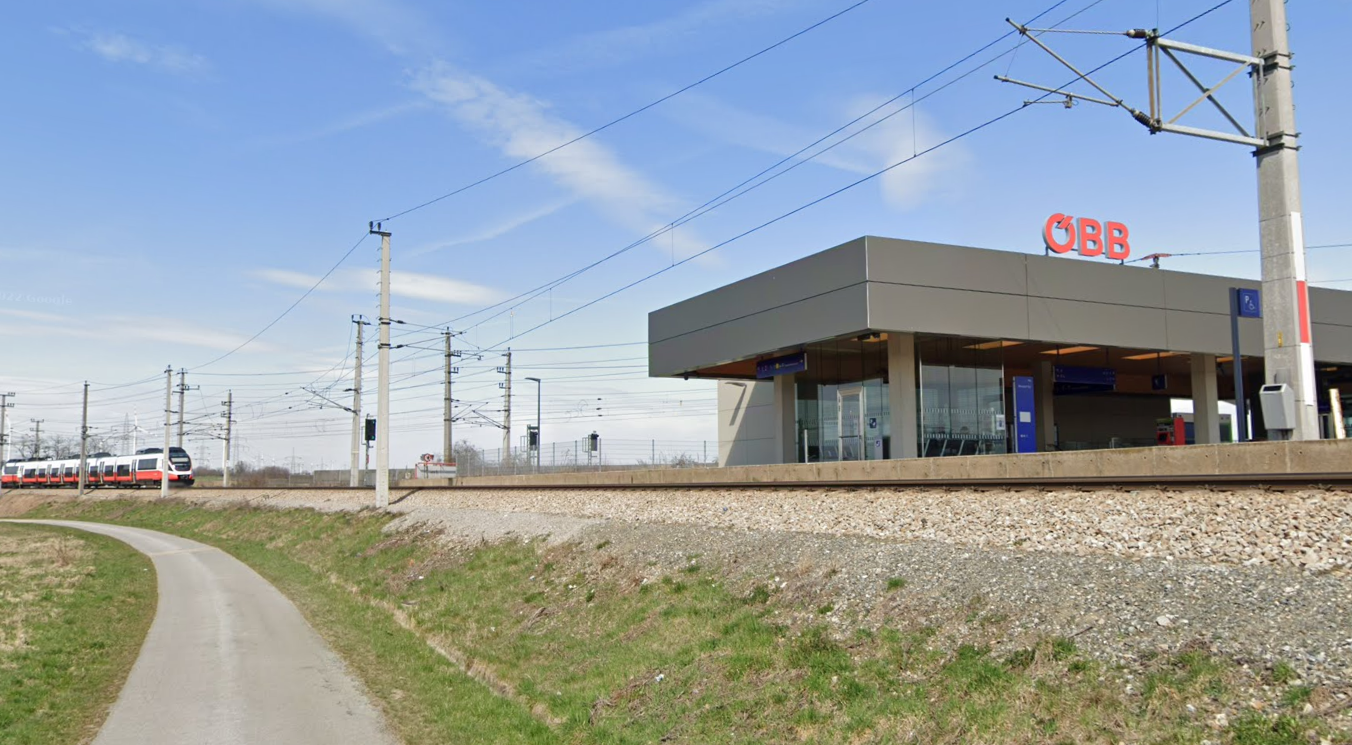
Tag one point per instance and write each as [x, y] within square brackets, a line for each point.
[1025, 422]
[1068, 379]
[1250, 303]
[786, 365]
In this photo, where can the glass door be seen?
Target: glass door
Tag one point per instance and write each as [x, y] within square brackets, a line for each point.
[850, 402]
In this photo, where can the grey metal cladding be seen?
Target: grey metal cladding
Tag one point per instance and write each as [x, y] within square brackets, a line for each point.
[886, 284]
[1065, 278]
[819, 273]
[1202, 293]
[1210, 333]
[786, 326]
[1331, 324]
[1331, 306]
[1098, 324]
[938, 265]
[934, 310]
[1332, 343]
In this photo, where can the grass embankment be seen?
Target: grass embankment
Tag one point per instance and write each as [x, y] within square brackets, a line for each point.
[74, 609]
[513, 642]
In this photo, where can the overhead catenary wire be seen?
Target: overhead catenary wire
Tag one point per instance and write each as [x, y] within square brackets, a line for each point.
[751, 184]
[298, 373]
[289, 308]
[847, 187]
[630, 115]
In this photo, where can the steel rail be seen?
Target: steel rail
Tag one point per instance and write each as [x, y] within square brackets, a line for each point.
[1282, 482]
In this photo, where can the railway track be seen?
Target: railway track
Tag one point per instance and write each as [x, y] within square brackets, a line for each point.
[1339, 481]
[1279, 482]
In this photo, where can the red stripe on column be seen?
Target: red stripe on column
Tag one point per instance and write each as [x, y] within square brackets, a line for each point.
[1303, 300]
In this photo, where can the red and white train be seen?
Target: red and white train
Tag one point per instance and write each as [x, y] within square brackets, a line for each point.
[146, 468]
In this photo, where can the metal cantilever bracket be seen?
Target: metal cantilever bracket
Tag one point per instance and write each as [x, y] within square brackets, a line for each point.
[1154, 119]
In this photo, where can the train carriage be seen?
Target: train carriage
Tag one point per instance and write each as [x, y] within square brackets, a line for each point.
[10, 474]
[144, 469]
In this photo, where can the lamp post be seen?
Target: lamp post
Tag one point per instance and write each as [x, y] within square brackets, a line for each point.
[539, 437]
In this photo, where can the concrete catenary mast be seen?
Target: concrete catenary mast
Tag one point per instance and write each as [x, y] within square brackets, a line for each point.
[229, 421]
[1287, 345]
[354, 478]
[5, 405]
[383, 376]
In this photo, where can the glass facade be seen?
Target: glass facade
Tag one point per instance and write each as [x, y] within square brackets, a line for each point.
[843, 422]
[962, 411]
[843, 412]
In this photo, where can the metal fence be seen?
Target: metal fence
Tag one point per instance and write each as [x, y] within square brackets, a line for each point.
[571, 456]
[567, 456]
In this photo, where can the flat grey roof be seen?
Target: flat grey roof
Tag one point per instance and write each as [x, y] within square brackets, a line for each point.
[886, 284]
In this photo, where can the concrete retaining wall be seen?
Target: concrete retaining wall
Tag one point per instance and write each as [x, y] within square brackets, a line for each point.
[1325, 456]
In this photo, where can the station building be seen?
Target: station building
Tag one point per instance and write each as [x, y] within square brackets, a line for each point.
[884, 348]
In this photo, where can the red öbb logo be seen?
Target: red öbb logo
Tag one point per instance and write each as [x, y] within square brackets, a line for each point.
[1089, 236]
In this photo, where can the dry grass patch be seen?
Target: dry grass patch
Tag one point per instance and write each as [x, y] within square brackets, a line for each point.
[74, 608]
[576, 643]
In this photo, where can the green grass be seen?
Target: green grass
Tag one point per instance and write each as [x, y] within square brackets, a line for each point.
[573, 644]
[74, 609]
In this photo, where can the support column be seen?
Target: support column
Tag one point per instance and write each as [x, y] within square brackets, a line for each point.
[1044, 385]
[786, 419]
[1288, 356]
[1206, 414]
[902, 389]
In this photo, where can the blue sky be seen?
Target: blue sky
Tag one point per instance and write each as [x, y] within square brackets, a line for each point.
[174, 174]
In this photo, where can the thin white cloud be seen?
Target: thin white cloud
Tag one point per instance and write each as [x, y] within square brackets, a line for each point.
[359, 120]
[30, 315]
[288, 278]
[170, 332]
[521, 127]
[393, 24]
[494, 230]
[120, 48]
[939, 174]
[414, 285]
[616, 46]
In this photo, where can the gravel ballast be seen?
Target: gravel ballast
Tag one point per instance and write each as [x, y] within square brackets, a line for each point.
[1260, 576]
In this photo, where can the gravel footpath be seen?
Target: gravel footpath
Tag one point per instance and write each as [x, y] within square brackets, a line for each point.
[1260, 576]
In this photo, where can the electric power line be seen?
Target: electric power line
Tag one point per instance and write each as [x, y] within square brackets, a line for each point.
[630, 115]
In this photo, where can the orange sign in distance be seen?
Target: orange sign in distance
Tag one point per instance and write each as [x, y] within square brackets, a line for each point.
[1087, 235]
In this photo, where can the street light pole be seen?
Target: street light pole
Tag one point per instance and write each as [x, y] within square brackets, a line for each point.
[539, 434]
